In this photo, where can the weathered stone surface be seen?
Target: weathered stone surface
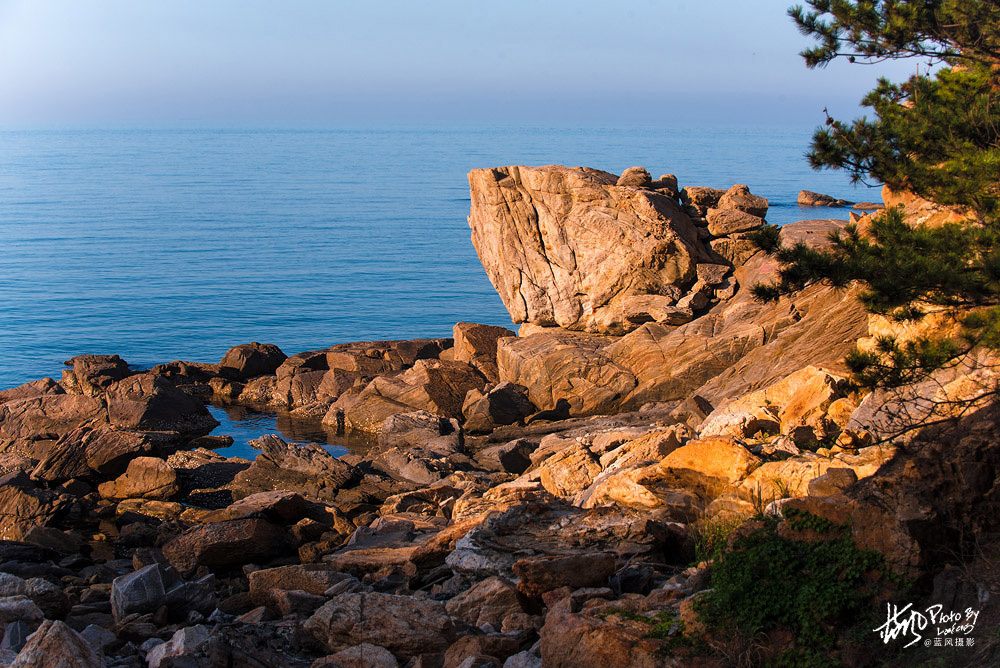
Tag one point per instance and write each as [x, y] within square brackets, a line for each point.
[580, 641]
[834, 481]
[310, 578]
[701, 198]
[99, 450]
[566, 366]
[802, 398]
[477, 345]
[364, 655]
[56, 645]
[93, 374]
[810, 198]
[24, 506]
[562, 244]
[309, 469]
[405, 626]
[435, 386]
[46, 417]
[249, 360]
[151, 587]
[324, 375]
[222, 545]
[151, 403]
[635, 177]
[652, 308]
[541, 574]
[739, 197]
[487, 602]
[722, 222]
[570, 471]
[145, 478]
[35, 388]
[503, 404]
[710, 463]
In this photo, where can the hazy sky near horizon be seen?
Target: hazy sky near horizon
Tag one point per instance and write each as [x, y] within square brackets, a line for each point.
[315, 63]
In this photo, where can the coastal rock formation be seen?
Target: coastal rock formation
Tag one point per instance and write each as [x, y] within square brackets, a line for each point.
[567, 246]
[522, 501]
[809, 198]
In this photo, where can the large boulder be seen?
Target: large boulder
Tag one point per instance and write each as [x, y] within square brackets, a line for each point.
[309, 469]
[248, 360]
[99, 450]
[24, 506]
[569, 366]
[154, 586]
[152, 403]
[323, 375]
[145, 478]
[404, 625]
[567, 246]
[56, 645]
[93, 374]
[224, 545]
[435, 386]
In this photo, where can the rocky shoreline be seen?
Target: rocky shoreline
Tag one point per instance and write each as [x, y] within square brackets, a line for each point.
[552, 497]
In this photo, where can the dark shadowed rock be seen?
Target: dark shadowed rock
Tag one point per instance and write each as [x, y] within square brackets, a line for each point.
[541, 574]
[23, 505]
[149, 588]
[249, 360]
[101, 451]
[477, 345]
[504, 404]
[223, 545]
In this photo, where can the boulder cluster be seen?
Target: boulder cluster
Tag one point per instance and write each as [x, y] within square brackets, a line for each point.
[515, 501]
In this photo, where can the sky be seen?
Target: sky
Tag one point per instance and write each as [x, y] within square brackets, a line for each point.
[332, 63]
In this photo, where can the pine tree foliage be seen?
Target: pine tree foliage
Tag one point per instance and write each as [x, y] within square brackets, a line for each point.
[936, 135]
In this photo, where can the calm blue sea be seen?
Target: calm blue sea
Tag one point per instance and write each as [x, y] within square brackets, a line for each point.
[160, 245]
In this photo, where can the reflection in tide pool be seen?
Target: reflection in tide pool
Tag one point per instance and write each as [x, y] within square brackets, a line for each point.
[245, 424]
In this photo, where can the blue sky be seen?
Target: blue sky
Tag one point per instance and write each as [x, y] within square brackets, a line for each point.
[314, 63]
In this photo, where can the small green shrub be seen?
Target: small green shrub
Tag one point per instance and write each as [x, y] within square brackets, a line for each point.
[810, 588]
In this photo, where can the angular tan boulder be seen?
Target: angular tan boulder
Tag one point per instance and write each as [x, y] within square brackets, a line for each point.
[803, 398]
[145, 478]
[564, 365]
[562, 245]
[435, 386]
[486, 602]
[56, 645]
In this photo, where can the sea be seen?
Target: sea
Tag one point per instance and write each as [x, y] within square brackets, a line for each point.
[161, 244]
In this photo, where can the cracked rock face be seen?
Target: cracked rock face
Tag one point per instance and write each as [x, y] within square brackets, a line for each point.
[568, 247]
